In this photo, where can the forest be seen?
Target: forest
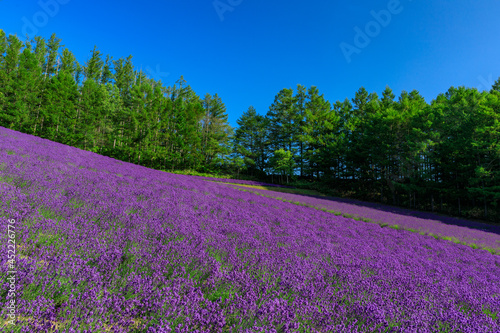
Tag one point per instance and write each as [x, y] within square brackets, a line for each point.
[442, 156]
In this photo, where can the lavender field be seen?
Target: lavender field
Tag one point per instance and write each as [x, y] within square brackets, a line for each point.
[475, 234]
[108, 246]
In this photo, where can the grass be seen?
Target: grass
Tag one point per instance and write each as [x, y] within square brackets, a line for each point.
[489, 313]
[6, 179]
[279, 189]
[17, 182]
[49, 214]
[200, 174]
[60, 326]
[76, 203]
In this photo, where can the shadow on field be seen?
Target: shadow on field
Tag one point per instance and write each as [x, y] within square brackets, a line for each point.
[486, 226]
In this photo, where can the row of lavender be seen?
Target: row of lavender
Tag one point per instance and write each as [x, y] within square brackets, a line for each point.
[107, 245]
[473, 233]
[242, 182]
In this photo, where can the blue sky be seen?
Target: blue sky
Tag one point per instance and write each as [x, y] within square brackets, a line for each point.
[247, 51]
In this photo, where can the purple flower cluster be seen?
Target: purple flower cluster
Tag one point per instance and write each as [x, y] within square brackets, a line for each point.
[451, 228]
[106, 245]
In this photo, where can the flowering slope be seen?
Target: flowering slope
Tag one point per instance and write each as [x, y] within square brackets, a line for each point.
[459, 230]
[110, 246]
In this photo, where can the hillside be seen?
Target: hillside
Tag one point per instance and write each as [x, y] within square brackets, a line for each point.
[105, 245]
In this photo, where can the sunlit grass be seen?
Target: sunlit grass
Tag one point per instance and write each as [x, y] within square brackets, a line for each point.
[278, 189]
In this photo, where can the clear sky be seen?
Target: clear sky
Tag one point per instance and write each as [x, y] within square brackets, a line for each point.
[248, 50]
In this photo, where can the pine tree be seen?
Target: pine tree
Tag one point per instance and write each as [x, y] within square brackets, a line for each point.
[52, 52]
[215, 130]
[496, 86]
[10, 115]
[107, 73]
[319, 133]
[299, 122]
[283, 123]
[4, 44]
[61, 102]
[29, 87]
[91, 107]
[251, 140]
[94, 66]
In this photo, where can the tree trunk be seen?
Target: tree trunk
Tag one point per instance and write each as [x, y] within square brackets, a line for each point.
[301, 159]
[485, 204]
[392, 188]
[485, 209]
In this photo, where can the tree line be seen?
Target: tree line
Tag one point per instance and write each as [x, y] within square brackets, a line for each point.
[443, 156]
[108, 107]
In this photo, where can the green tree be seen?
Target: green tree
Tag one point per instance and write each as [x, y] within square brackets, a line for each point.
[11, 116]
[91, 108]
[53, 46]
[282, 121]
[61, 100]
[299, 122]
[319, 134]
[29, 86]
[282, 161]
[215, 131]
[496, 86]
[250, 140]
[93, 68]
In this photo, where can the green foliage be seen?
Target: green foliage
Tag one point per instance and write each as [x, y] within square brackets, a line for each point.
[283, 162]
[250, 140]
